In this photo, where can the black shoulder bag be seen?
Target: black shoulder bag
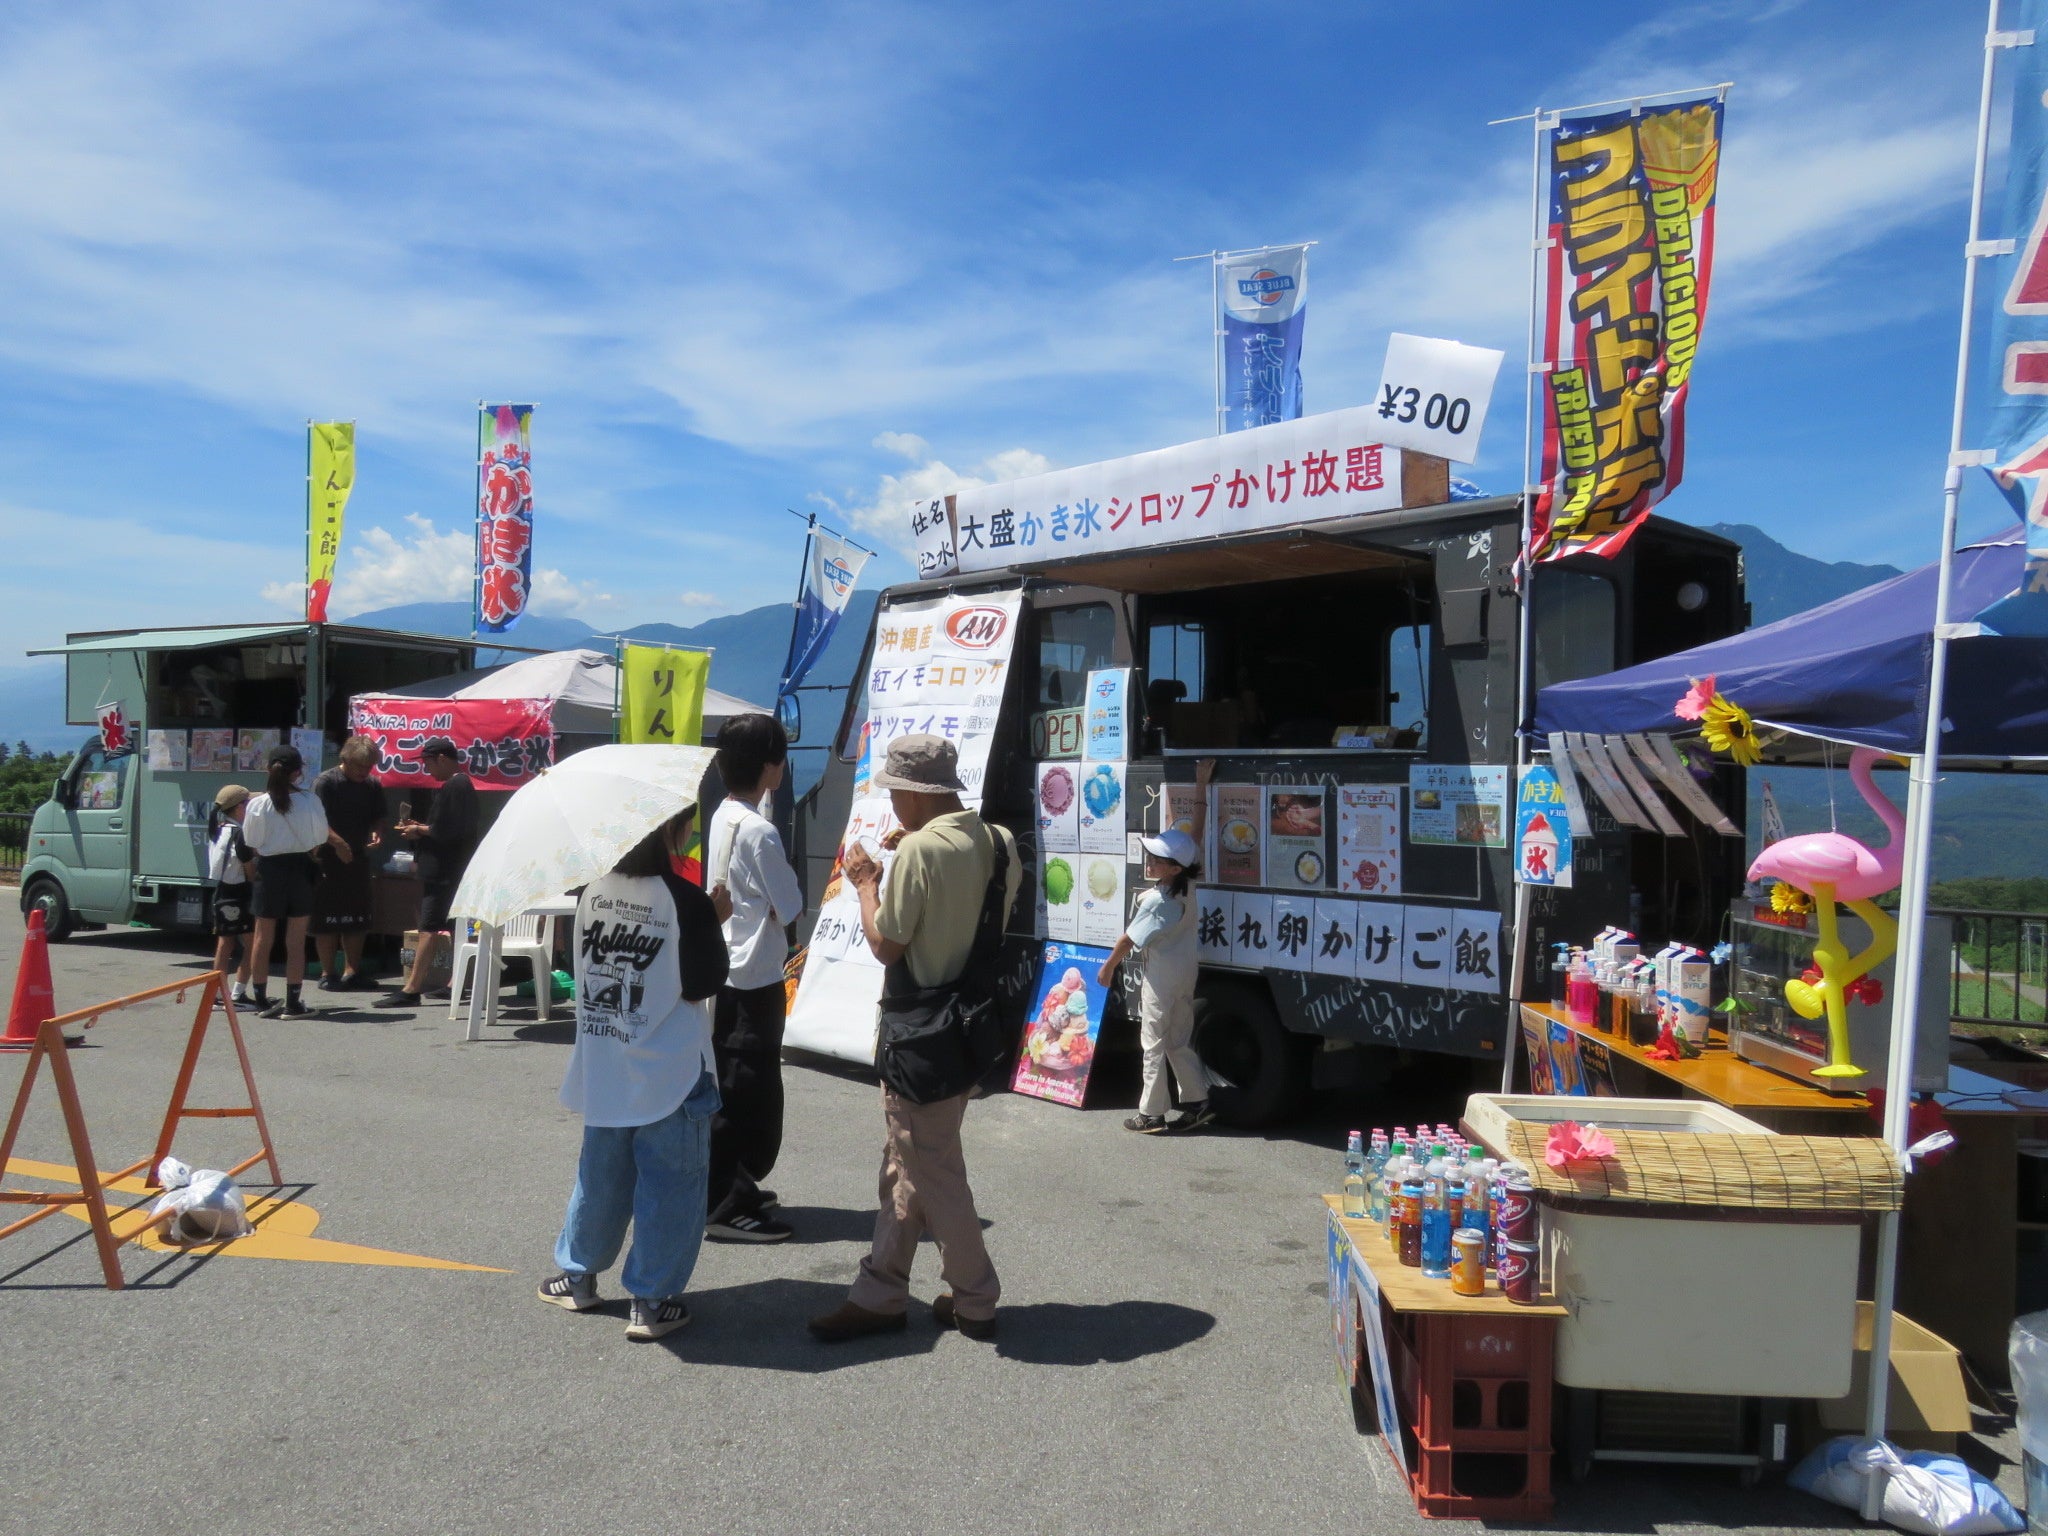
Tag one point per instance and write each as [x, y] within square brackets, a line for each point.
[937, 1042]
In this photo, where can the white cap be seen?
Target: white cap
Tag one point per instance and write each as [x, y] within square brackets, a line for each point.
[1175, 845]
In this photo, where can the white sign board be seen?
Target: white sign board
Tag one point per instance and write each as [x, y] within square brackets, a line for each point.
[1309, 470]
[1433, 396]
[939, 666]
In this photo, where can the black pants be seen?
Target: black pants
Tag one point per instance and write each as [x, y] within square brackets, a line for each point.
[746, 1133]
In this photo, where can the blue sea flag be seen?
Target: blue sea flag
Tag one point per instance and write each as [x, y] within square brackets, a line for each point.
[831, 567]
[1263, 297]
[2018, 363]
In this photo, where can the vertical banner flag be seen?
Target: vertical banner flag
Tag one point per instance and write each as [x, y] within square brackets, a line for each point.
[2019, 353]
[662, 695]
[1631, 253]
[330, 476]
[504, 516]
[1264, 296]
[831, 567]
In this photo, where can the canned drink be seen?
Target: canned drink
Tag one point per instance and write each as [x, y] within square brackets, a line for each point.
[1468, 1262]
[1515, 1209]
[1519, 1266]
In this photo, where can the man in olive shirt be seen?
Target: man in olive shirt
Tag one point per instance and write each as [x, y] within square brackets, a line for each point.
[926, 917]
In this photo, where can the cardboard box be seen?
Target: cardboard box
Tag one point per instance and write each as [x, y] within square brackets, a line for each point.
[439, 973]
[1928, 1407]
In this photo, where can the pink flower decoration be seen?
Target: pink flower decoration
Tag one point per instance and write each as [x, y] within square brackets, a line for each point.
[1696, 699]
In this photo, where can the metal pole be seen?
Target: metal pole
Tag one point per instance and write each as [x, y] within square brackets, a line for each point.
[1216, 331]
[796, 608]
[1525, 583]
[476, 580]
[1921, 794]
[307, 609]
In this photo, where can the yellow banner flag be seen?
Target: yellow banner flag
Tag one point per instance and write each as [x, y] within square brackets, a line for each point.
[330, 476]
[662, 695]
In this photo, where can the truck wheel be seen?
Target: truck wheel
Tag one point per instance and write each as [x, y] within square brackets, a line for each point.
[47, 897]
[1241, 1038]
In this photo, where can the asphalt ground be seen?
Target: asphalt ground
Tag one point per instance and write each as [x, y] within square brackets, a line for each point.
[1164, 1360]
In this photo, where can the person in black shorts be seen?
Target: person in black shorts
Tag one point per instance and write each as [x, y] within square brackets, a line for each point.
[442, 845]
[354, 802]
[229, 864]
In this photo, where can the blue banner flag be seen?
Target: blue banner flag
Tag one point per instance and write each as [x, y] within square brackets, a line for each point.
[831, 567]
[2018, 386]
[1263, 297]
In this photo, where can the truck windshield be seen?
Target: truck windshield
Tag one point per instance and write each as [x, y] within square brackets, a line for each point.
[1072, 642]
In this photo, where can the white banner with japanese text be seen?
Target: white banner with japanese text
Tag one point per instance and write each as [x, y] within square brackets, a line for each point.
[1312, 470]
[938, 666]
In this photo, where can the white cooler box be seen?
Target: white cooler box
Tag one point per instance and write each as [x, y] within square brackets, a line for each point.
[1714, 1304]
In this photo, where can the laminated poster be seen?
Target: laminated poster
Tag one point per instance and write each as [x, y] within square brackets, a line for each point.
[1295, 852]
[167, 751]
[312, 747]
[1101, 897]
[1294, 933]
[1215, 915]
[1543, 830]
[1059, 884]
[1183, 803]
[1455, 805]
[1063, 1026]
[1335, 937]
[1102, 808]
[1238, 821]
[1059, 808]
[1108, 722]
[1251, 933]
[252, 746]
[212, 749]
[1369, 839]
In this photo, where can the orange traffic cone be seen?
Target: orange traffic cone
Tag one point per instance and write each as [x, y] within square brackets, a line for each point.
[34, 998]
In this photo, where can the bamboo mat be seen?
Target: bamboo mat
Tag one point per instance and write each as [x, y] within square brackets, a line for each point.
[1845, 1174]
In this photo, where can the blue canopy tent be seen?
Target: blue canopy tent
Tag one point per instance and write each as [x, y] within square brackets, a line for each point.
[1854, 670]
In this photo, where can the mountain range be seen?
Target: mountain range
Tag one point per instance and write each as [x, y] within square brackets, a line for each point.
[1986, 825]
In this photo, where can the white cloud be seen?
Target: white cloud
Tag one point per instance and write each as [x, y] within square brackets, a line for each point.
[381, 569]
[700, 600]
[885, 515]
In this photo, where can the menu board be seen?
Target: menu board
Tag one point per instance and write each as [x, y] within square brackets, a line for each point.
[1101, 897]
[1059, 888]
[1108, 708]
[1065, 1022]
[167, 750]
[252, 747]
[1369, 839]
[212, 749]
[1239, 821]
[939, 666]
[1295, 857]
[1183, 806]
[1455, 805]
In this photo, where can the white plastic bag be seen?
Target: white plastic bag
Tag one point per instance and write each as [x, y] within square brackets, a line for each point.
[1925, 1492]
[203, 1206]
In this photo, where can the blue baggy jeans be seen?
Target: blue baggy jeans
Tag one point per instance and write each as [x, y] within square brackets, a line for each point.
[653, 1175]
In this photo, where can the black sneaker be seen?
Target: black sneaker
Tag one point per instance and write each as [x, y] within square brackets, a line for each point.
[331, 984]
[284, 1008]
[764, 1200]
[750, 1228]
[398, 1000]
[1192, 1117]
[576, 1292]
[1146, 1125]
[654, 1319]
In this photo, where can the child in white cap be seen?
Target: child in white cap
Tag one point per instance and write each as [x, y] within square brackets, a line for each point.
[1162, 933]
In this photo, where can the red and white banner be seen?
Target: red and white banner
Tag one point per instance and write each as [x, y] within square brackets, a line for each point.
[504, 743]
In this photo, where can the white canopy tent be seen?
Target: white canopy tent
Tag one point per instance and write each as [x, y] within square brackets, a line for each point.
[581, 684]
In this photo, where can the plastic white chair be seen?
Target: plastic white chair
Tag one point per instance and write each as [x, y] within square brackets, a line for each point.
[527, 937]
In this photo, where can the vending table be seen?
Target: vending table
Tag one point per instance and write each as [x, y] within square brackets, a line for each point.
[1457, 1387]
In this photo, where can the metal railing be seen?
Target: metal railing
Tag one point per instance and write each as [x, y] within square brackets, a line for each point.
[13, 842]
[1998, 966]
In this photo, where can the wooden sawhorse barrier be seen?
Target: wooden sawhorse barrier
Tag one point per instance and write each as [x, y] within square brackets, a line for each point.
[49, 1044]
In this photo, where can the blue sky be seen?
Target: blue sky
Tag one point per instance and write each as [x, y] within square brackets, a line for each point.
[750, 256]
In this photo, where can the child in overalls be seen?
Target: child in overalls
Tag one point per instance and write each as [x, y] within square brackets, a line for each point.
[1162, 933]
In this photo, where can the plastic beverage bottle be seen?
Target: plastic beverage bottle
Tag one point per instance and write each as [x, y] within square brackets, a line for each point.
[1410, 1229]
[1436, 1217]
[1376, 1177]
[1396, 1171]
[1354, 1176]
[1478, 1208]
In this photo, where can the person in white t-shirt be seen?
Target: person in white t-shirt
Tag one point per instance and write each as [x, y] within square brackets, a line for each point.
[649, 959]
[228, 865]
[745, 861]
[283, 826]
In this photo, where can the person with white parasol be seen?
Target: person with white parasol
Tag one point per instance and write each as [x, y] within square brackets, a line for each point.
[650, 957]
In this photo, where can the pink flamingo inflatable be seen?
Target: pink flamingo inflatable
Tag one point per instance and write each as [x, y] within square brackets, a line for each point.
[1831, 867]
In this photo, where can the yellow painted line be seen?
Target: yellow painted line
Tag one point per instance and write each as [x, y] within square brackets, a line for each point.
[284, 1228]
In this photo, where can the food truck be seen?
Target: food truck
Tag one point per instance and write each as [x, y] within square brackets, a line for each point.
[1314, 612]
[122, 837]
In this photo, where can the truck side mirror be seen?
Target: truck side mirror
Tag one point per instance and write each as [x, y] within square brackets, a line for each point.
[790, 715]
[65, 793]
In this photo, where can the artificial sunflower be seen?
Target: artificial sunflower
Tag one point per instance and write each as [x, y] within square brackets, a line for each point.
[1789, 898]
[1728, 728]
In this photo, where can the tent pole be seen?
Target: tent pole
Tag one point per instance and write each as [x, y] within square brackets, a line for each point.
[1920, 798]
